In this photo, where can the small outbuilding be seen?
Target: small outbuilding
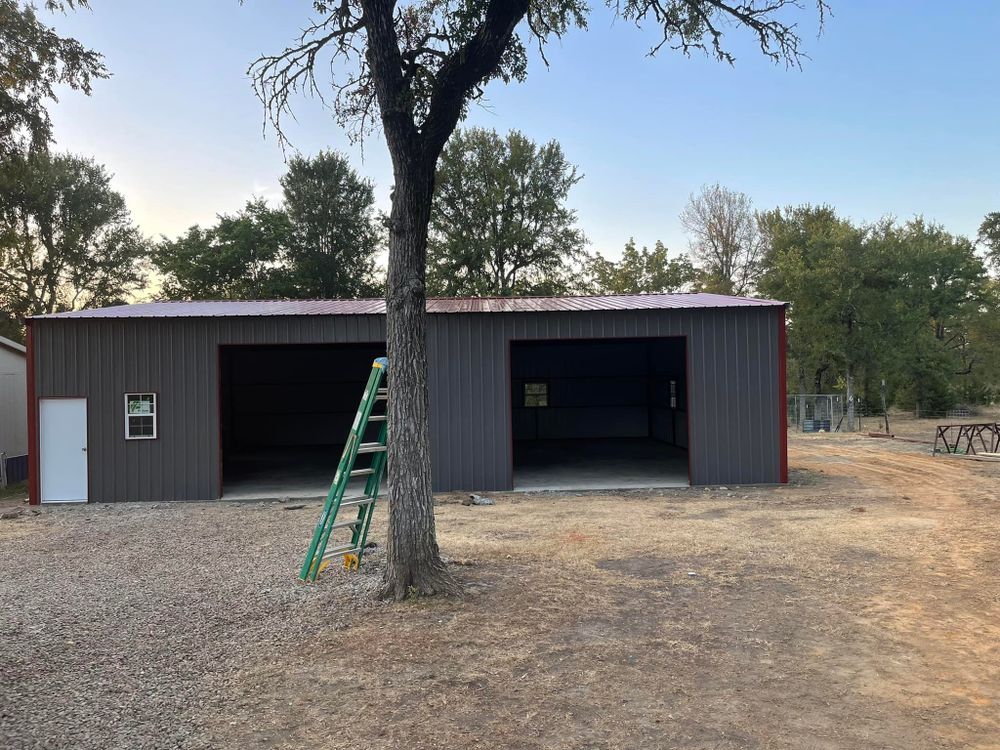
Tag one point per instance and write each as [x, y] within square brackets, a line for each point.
[249, 399]
[13, 413]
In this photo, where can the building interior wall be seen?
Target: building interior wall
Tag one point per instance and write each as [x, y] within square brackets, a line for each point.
[285, 410]
[606, 388]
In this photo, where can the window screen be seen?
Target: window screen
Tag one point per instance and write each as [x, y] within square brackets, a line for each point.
[536, 394]
[140, 416]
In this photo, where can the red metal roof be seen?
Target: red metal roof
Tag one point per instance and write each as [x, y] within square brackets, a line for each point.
[279, 308]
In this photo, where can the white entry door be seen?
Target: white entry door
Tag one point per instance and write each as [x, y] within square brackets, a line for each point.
[62, 443]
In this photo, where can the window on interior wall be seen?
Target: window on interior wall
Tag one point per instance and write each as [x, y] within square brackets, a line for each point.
[673, 394]
[536, 394]
[140, 416]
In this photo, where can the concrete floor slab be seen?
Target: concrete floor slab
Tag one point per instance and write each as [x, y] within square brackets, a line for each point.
[599, 464]
[295, 473]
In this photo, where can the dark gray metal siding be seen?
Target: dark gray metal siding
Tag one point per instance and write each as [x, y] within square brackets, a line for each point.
[733, 381]
[104, 359]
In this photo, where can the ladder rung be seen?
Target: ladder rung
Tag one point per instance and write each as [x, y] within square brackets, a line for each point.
[345, 524]
[349, 502]
[371, 448]
[376, 418]
[362, 472]
[382, 394]
[340, 550]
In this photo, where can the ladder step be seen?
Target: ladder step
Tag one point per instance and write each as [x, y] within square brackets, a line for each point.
[382, 394]
[350, 502]
[345, 524]
[376, 418]
[340, 550]
[371, 448]
[362, 472]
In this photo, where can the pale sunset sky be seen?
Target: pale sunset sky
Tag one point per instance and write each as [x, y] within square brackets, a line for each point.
[897, 112]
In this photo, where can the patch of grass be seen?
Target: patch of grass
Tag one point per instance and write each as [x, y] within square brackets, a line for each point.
[16, 491]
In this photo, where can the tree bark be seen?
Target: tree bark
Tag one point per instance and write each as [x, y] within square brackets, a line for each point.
[413, 561]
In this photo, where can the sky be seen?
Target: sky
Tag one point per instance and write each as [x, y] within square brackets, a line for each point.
[897, 112]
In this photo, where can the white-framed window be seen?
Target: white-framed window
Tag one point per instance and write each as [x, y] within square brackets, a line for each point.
[140, 416]
[536, 394]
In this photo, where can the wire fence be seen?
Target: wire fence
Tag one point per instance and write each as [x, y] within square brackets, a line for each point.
[828, 412]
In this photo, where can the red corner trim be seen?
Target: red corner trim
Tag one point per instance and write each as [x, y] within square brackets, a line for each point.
[33, 487]
[782, 399]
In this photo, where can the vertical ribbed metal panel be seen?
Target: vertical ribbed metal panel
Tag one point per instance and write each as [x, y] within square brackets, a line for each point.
[732, 386]
[102, 360]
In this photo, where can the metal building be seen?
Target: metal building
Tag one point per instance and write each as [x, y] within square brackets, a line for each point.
[202, 400]
[13, 413]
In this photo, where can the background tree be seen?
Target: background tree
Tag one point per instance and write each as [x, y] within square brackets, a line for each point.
[989, 237]
[34, 61]
[320, 243]
[726, 242]
[66, 238]
[499, 222]
[909, 304]
[334, 233]
[940, 293]
[416, 68]
[239, 258]
[641, 271]
[816, 262]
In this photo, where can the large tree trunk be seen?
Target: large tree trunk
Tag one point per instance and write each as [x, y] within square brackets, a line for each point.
[413, 561]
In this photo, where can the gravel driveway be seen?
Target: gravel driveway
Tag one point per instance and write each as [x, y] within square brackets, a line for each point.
[122, 624]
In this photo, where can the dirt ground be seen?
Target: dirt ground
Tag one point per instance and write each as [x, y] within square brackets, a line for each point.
[857, 607]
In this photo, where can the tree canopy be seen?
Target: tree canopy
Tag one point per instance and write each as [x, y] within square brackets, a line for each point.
[899, 302]
[499, 222]
[239, 258]
[319, 243]
[67, 240]
[641, 271]
[335, 232]
[34, 61]
[989, 237]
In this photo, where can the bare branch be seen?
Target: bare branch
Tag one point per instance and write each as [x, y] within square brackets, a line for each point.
[697, 25]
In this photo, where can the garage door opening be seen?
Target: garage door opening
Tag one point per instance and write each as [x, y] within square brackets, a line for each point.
[599, 413]
[285, 412]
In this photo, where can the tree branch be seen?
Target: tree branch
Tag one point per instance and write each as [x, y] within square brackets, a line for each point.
[465, 69]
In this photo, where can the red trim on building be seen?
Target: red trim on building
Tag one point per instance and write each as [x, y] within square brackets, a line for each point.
[33, 487]
[782, 400]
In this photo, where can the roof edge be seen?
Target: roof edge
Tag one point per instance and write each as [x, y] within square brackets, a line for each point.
[13, 346]
[435, 305]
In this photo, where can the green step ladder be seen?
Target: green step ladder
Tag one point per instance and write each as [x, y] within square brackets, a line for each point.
[319, 554]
